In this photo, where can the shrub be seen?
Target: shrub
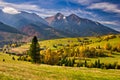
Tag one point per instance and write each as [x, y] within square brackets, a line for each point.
[85, 38]
[23, 58]
[109, 37]
[3, 60]
[28, 58]
[98, 47]
[112, 36]
[80, 64]
[90, 65]
[118, 47]
[114, 48]
[100, 53]
[103, 66]
[118, 67]
[51, 57]
[19, 58]
[13, 58]
[106, 38]
[108, 46]
[75, 65]
[79, 40]
[54, 46]
[60, 44]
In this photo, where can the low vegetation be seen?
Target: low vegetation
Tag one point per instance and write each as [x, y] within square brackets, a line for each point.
[81, 54]
[20, 70]
[77, 52]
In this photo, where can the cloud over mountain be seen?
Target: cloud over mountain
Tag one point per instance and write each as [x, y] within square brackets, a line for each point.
[91, 9]
[105, 6]
[10, 10]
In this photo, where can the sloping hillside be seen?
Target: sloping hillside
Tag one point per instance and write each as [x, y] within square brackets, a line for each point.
[6, 28]
[43, 31]
[8, 34]
[18, 70]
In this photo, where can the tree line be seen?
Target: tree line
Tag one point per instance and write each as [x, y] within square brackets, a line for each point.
[67, 56]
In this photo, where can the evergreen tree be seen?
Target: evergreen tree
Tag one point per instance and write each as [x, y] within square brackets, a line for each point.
[34, 50]
[85, 63]
[98, 64]
[69, 62]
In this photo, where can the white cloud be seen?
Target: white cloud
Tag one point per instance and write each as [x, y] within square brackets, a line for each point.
[84, 2]
[66, 12]
[28, 7]
[10, 10]
[110, 22]
[105, 6]
[24, 6]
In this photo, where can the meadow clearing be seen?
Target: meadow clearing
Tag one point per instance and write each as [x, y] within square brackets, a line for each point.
[22, 70]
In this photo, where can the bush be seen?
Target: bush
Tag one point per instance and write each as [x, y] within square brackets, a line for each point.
[13, 58]
[108, 46]
[60, 44]
[114, 48]
[112, 36]
[118, 47]
[85, 38]
[98, 47]
[111, 66]
[109, 37]
[103, 66]
[54, 46]
[90, 65]
[75, 65]
[19, 58]
[3, 60]
[29, 58]
[118, 67]
[100, 53]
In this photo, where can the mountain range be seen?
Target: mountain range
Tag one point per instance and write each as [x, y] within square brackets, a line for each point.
[30, 24]
[9, 34]
[78, 26]
[21, 19]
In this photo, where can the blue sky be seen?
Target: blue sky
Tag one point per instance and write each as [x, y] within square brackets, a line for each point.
[106, 12]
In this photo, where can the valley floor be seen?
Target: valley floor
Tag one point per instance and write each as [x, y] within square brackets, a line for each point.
[19, 70]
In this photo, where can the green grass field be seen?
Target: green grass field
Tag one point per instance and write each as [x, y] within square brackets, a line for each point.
[49, 44]
[68, 41]
[19, 70]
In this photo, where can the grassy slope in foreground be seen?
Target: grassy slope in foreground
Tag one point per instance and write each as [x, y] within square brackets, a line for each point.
[19, 70]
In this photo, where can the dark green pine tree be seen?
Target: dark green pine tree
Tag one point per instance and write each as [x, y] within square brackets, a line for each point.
[34, 50]
[98, 63]
[85, 63]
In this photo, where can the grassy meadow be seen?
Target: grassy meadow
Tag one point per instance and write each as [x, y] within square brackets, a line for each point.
[74, 41]
[22, 70]
[71, 41]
